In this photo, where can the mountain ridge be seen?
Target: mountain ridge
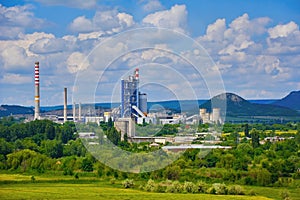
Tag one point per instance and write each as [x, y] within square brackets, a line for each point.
[292, 100]
[237, 106]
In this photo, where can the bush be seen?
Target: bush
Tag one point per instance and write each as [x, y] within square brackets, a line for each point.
[128, 183]
[284, 182]
[252, 193]
[202, 187]
[150, 186]
[218, 188]
[160, 188]
[190, 187]
[236, 190]
[112, 181]
[211, 190]
[296, 175]
[285, 195]
[76, 176]
[68, 172]
[176, 187]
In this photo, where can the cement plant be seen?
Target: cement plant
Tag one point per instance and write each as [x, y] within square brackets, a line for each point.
[132, 113]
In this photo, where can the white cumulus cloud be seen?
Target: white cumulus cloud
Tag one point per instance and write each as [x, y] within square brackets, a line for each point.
[14, 20]
[76, 62]
[109, 21]
[175, 18]
[283, 30]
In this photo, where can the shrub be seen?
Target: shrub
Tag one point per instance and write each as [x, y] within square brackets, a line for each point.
[128, 183]
[236, 190]
[285, 195]
[190, 187]
[202, 187]
[76, 176]
[160, 188]
[252, 193]
[32, 178]
[68, 171]
[150, 186]
[211, 190]
[176, 187]
[112, 181]
[296, 175]
[284, 182]
[218, 188]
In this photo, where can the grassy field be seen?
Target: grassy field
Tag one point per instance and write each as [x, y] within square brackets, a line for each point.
[21, 187]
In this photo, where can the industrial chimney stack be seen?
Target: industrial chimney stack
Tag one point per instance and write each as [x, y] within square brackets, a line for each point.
[37, 91]
[65, 104]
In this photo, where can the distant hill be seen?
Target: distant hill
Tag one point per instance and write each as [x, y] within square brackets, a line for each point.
[237, 106]
[6, 110]
[292, 101]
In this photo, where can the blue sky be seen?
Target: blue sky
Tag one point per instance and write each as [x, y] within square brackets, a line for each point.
[255, 44]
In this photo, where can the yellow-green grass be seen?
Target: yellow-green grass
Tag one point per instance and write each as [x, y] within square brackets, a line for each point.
[275, 193]
[97, 191]
[16, 186]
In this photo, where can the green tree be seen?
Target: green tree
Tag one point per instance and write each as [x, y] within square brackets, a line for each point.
[114, 136]
[126, 137]
[50, 131]
[74, 147]
[87, 165]
[255, 138]
[52, 148]
[246, 130]
[172, 172]
[67, 132]
[27, 159]
[5, 147]
[110, 123]
[226, 161]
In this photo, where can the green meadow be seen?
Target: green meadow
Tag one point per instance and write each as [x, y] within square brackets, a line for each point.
[15, 186]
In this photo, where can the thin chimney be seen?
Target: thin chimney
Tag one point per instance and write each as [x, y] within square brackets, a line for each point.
[65, 104]
[37, 90]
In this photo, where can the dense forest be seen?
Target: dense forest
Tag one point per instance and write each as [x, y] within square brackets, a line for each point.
[43, 146]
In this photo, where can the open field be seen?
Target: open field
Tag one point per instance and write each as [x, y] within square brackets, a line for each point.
[21, 187]
[94, 191]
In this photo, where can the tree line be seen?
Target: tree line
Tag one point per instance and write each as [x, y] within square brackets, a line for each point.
[44, 146]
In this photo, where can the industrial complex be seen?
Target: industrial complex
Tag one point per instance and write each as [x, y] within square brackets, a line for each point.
[133, 110]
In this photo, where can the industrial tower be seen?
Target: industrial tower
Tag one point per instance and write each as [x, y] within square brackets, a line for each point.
[37, 90]
[132, 101]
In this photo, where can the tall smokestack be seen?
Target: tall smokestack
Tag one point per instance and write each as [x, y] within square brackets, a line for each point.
[74, 111]
[37, 91]
[79, 112]
[136, 73]
[65, 104]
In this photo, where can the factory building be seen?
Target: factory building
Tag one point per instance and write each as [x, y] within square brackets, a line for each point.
[125, 126]
[213, 117]
[133, 102]
[133, 105]
[143, 102]
[129, 94]
[216, 116]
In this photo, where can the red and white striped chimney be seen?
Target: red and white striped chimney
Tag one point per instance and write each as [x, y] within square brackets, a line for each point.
[136, 73]
[37, 90]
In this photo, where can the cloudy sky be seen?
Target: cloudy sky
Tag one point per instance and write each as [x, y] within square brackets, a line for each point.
[254, 47]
